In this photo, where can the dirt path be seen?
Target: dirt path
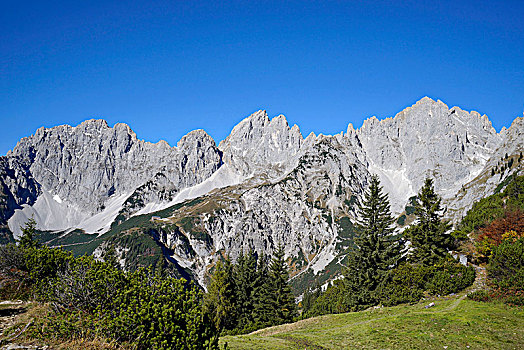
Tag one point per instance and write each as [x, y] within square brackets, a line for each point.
[10, 310]
[478, 284]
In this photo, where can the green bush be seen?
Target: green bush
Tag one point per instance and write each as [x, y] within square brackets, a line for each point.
[85, 284]
[91, 299]
[405, 284]
[449, 276]
[480, 295]
[506, 266]
[158, 313]
[43, 264]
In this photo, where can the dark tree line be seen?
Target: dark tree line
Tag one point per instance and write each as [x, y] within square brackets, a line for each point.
[250, 293]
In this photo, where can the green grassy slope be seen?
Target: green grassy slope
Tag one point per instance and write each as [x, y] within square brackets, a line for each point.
[453, 324]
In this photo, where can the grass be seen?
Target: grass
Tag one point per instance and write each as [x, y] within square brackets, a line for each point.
[32, 311]
[451, 324]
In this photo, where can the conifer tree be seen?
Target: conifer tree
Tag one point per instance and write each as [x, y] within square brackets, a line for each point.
[429, 235]
[27, 239]
[277, 304]
[377, 249]
[310, 297]
[261, 300]
[220, 298]
[245, 274]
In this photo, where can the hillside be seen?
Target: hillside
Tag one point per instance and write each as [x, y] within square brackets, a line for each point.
[453, 323]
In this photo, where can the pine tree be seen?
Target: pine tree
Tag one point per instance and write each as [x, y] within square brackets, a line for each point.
[309, 298]
[429, 235]
[261, 299]
[110, 257]
[27, 239]
[245, 275]
[220, 298]
[277, 304]
[377, 249]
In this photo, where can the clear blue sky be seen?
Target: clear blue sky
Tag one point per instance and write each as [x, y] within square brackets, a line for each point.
[169, 67]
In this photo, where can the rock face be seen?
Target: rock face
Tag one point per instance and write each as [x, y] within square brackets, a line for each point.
[84, 167]
[263, 185]
[502, 163]
[428, 139]
[258, 144]
[17, 187]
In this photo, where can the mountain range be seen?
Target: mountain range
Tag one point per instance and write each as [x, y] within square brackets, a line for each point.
[92, 186]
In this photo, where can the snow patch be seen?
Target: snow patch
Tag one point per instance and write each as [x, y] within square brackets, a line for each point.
[396, 184]
[49, 214]
[101, 222]
[223, 177]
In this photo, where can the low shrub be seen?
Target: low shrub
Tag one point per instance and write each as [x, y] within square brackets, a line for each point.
[506, 266]
[408, 282]
[449, 276]
[14, 278]
[158, 313]
[43, 264]
[480, 295]
[90, 299]
[508, 296]
[405, 284]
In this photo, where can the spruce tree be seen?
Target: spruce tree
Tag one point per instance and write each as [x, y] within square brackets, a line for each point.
[429, 235]
[220, 298]
[377, 249]
[277, 304]
[309, 298]
[27, 239]
[245, 275]
[261, 298]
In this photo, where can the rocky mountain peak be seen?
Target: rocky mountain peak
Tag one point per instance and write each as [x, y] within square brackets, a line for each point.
[95, 124]
[196, 138]
[86, 167]
[427, 139]
[258, 144]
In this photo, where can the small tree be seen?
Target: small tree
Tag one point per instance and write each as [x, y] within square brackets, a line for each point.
[220, 298]
[377, 248]
[506, 267]
[245, 275]
[277, 304]
[110, 257]
[27, 239]
[429, 236]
